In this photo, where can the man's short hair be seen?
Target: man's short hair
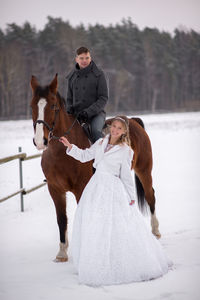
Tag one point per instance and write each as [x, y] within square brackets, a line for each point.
[82, 50]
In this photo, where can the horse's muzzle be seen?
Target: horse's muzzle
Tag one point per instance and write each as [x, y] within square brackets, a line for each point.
[41, 147]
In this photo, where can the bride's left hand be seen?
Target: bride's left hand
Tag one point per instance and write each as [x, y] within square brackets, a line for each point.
[132, 202]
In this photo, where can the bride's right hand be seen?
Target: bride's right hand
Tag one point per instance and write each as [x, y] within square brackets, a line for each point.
[65, 142]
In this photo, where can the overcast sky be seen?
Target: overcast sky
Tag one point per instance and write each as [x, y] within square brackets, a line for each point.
[162, 14]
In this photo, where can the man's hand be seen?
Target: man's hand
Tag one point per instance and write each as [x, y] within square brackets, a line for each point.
[83, 117]
[70, 111]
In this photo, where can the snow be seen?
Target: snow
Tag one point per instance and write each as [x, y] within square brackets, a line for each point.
[30, 240]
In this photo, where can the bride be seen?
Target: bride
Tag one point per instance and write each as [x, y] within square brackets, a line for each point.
[111, 243]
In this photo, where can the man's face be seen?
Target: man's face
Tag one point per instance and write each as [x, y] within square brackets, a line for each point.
[83, 60]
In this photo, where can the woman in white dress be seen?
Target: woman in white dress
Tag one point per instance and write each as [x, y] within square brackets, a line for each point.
[111, 243]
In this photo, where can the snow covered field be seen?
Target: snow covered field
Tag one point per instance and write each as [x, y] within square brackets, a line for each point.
[29, 240]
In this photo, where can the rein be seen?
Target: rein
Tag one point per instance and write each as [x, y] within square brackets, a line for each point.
[51, 128]
[51, 136]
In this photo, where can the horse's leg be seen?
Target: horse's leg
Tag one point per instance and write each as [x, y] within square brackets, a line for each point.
[150, 198]
[59, 199]
[146, 180]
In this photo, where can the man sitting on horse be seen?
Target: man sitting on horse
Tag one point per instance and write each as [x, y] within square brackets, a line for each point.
[87, 93]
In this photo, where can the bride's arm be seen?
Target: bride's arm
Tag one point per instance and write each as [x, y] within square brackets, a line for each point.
[126, 175]
[83, 155]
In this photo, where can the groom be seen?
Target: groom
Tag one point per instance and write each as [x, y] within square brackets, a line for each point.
[87, 93]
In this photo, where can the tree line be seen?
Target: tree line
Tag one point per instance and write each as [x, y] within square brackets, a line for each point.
[147, 70]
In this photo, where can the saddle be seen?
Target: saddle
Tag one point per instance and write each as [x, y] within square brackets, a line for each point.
[87, 129]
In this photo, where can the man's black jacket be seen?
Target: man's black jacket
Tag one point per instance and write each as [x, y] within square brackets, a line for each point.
[87, 90]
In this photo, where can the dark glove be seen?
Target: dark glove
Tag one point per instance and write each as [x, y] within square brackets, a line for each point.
[70, 111]
[83, 117]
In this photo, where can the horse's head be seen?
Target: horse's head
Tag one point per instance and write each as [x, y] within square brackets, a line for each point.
[45, 106]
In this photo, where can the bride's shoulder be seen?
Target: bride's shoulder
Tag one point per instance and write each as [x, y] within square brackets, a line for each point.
[127, 149]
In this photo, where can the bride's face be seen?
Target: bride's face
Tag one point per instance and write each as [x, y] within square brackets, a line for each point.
[117, 129]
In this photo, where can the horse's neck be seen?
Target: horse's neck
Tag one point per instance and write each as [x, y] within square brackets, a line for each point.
[66, 124]
[62, 123]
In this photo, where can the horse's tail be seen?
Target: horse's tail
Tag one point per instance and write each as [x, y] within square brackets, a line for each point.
[139, 188]
[139, 121]
[140, 195]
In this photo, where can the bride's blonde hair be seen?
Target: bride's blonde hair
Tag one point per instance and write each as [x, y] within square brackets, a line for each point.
[125, 138]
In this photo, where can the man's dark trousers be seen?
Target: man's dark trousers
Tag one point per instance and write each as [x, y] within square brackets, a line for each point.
[96, 126]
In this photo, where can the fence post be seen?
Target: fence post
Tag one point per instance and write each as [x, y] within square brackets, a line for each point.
[21, 181]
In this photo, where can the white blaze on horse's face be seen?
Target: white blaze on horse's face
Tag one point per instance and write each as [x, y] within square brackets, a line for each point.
[39, 130]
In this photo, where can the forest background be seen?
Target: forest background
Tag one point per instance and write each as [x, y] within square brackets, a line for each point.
[148, 70]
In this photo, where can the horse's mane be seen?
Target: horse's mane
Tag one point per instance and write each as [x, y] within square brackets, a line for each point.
[61, 100]
[42, 92]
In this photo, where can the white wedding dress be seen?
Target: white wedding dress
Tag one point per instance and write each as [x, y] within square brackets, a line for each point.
[111, 243]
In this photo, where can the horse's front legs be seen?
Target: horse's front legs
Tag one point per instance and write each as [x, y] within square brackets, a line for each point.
[59, 199]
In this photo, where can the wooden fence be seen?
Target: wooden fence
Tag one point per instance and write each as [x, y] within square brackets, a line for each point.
[22, 191]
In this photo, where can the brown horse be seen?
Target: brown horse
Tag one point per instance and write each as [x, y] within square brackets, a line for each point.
[63, 173]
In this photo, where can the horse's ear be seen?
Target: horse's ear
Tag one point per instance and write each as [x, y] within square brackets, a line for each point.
[54, 84]
[34, 83]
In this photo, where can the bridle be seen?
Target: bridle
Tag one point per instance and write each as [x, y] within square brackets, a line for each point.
[51, 128]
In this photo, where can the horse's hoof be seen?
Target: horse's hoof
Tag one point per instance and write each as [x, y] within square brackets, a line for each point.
[62, 254]
[61, 259]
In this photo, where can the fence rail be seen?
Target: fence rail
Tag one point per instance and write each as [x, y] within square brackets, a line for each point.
[22, 191]
[9, 158]
[11, 195]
